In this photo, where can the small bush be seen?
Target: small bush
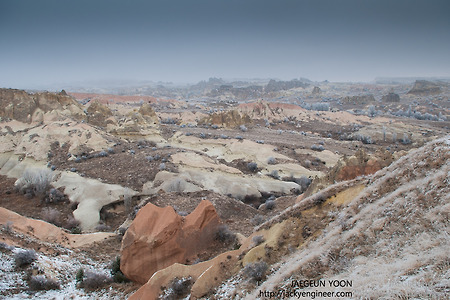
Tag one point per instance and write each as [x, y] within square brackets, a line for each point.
[258, 239]
[303, 182]
[258, 219]
[76, 230]
[51, 215]
[270, 204]
[274, 174]
[271, 161]
[116, 273]
[365, 139]
[319, 148]
[121, 231]
[243, 128]
[372, 111]
[42, 283]
[405, 140]
[224, 235]
[256, 271]
[71, 223]
[162, 166]
[35, 182]
[93, 280]
[24, 257]
[252, 166]
[55, 195]
[180, 286]
[102, 227]
[8, 227]
[80, 275]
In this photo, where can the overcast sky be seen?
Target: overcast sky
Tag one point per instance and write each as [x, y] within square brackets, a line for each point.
[65, 41]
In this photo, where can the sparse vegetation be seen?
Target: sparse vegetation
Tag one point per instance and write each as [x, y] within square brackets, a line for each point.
[315, 147]
[80, 275]
[55, 196]
[237, 178]
[94, 280]
[24, 257]
[405, 140]
[258, 219]
[270, 204]
[258, 239]
[256, 271]
[224, 235]
[35, 182]
[102, 227]
[274, 174]
[41, 282]
[116, 273]
[252, 167]
[51, 215]
[271, 160]
[303, 182]
[8, 227]
[372, 111]
[318, 106]
[178, 288]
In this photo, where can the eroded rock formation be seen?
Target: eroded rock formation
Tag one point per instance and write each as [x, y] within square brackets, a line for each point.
[24, 107]
[423, 87]
[351, 167]
[391, 97]
[159, 237]
[99, 114]
[230, 119]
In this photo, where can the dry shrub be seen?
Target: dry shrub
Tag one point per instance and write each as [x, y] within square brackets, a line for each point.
[93, 280]
[256, 271]
[51, 215]
[224, 235]
[35, 182]
[40, 282]
[24, 257]
[71, 223]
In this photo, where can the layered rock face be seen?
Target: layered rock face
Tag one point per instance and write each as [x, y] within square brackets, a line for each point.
[230, 119]
[99, 114]
[423, 87]
[348, 168]
[391, 97]
[159, 237]
[24, 107]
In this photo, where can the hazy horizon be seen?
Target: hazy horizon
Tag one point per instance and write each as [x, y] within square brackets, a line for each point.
[67, 42]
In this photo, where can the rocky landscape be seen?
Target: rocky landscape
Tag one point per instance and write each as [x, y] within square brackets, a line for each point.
[226, 190]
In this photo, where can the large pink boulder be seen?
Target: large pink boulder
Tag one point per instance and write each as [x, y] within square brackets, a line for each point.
[159, 237]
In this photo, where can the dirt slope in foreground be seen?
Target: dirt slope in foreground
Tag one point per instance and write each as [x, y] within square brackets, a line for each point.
[391, 241]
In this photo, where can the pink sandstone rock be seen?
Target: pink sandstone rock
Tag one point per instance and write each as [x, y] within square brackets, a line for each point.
[159, 237]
